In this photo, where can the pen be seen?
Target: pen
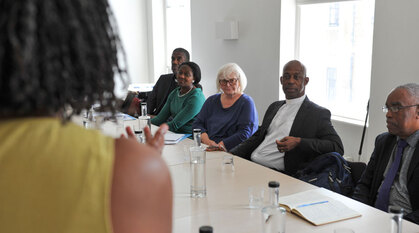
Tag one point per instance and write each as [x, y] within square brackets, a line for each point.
[314, 203]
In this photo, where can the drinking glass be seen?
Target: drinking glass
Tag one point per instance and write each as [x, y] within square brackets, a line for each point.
[396, 217]
[273, 219]
[227, 163]
[198, 172]
[256, 196]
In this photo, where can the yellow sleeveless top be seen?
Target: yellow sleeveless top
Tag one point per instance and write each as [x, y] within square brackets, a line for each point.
[54, 177]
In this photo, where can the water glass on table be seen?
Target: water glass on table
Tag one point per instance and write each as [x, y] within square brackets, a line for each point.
[273, 219]
[198, 171]
[227, 163]
[256, 197]
[396, 218]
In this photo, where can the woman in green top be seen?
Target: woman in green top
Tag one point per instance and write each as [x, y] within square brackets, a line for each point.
[184, 102]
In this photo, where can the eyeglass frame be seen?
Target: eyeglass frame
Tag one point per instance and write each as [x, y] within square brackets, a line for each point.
[394, 109]
[232, 81]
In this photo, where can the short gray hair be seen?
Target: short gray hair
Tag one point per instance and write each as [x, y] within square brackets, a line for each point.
[226, 70]
[412, 89]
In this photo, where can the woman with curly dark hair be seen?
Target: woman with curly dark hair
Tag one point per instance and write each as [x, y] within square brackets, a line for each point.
[56, 59]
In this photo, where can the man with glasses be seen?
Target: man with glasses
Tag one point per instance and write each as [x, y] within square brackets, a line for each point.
[294, 131]
[166, 83]
[392, 175]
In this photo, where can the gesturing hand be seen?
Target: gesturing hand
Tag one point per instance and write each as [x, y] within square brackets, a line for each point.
[157, 141]
[130, 133]
[287, 143]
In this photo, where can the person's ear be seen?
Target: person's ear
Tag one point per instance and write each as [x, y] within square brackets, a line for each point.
[306, 79]
[280, 79]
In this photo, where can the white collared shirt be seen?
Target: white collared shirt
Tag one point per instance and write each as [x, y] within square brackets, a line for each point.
[267, 153]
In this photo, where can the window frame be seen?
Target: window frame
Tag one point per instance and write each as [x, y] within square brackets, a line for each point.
[298, 4]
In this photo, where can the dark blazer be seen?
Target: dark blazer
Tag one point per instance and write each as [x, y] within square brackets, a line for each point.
[312, 124]
[158, 97]
[367, 188]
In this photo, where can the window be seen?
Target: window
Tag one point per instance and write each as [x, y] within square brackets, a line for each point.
[334, 41]
[331, 83]
[334, 15]
[178, 27]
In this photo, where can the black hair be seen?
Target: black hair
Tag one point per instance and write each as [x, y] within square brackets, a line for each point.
[184, 51]
[196, 71]
[57, 57]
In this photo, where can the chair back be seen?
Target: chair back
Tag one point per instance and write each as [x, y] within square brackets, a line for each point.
[357, 168]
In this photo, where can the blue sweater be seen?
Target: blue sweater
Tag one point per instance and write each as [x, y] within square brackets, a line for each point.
[231, 125]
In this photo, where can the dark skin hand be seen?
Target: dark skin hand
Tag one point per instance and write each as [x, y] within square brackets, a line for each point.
[156, 142]
[216, 148]
[137, 165]
[287, 143]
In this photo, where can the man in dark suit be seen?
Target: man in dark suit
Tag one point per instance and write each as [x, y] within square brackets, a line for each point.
[392, 175]
[166, 83]
[294, 131]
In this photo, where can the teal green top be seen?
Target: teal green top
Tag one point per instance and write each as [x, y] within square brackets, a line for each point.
[179, 112]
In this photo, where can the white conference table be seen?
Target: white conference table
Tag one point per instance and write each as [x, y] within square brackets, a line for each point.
[226, 205]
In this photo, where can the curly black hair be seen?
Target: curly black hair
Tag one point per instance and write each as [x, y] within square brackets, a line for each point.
[57, 56]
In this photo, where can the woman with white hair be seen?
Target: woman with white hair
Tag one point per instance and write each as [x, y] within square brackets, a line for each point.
[230, 117]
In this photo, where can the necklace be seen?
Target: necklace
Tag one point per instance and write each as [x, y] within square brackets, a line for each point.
[181, 95]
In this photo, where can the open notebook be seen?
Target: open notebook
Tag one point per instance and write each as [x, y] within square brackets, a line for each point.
[317, 208]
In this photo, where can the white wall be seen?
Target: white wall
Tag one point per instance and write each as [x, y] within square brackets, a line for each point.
[394, 61]
[256, 51]
[395, 57]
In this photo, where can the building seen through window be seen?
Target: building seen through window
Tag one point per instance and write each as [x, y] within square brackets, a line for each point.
[335, 43]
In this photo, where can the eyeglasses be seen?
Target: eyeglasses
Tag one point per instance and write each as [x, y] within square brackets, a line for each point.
[225, 81]
[397, 108]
